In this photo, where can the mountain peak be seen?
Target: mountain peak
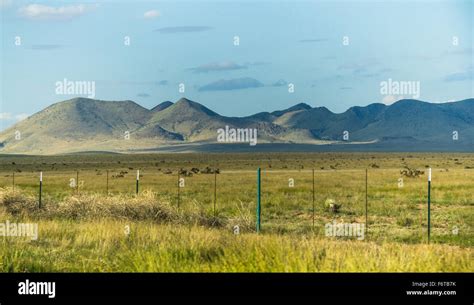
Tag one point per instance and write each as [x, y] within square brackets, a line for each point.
[184, 105]
[301, 106]
[161, 106]
[77, 100]
[408, 101]
[184, 100]
[88, 104]
[297, 107]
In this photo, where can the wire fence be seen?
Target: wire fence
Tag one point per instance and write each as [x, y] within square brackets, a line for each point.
[388, 203]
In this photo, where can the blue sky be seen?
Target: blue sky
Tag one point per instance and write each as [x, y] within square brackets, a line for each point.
[192, 42]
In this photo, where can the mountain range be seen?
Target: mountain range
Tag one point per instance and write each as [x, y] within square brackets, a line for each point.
[83, 124]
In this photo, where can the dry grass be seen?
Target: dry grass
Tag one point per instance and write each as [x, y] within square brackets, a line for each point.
[85, 232]
[102, 246]
[146, 207]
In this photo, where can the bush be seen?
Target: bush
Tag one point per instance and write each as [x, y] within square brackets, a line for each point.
[146, 206]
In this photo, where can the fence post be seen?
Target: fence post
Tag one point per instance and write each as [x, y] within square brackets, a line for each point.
[313, 199]
[13, 181]
[366, 201]
[178, 188]
[77, 182]
[107, 183]
[40, 189]
[138, 179]
[429, 204]
[215, 192]
[259, 212]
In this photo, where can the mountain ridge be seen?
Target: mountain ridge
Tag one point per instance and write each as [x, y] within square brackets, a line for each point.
[82, 124]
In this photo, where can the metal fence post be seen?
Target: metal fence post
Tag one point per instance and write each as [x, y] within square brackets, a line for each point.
[259, 211]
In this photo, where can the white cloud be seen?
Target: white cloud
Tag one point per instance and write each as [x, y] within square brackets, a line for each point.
[151, 14]
[218, 66]
[390, 99]
[21, 116]
[446, 101]
[7, 116]
[44, 12]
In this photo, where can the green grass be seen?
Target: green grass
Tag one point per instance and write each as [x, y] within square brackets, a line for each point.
[195, 237]
[102, 246]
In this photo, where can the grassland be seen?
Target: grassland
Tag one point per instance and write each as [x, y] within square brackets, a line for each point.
[83, 229]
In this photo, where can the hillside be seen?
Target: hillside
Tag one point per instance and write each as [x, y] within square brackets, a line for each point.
[82, 124]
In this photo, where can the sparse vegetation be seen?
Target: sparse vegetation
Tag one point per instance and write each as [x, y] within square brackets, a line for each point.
[412, 172]
[92, 246]
[86, 224]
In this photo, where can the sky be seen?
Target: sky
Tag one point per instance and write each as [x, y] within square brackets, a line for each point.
[235, 57]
